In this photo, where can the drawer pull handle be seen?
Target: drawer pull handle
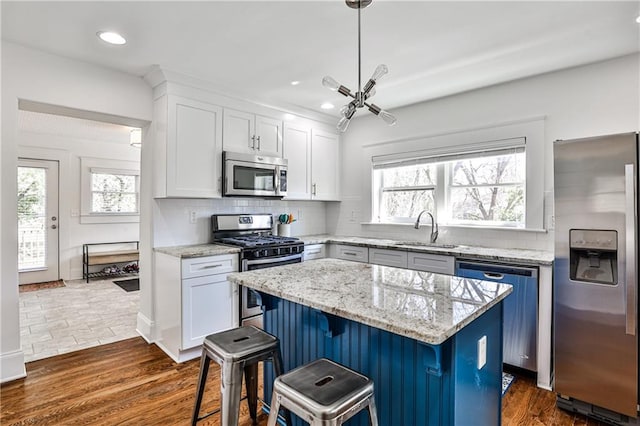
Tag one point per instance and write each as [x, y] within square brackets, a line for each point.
[211, 266]
[350, 253]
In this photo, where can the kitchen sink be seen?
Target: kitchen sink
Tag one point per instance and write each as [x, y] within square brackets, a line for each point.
[423, 244]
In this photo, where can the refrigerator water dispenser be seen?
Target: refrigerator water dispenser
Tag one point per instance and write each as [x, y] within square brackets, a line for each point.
[594, 256]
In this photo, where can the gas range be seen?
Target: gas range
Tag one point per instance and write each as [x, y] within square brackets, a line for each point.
[252, 233]
[259, 246]
[259, 249]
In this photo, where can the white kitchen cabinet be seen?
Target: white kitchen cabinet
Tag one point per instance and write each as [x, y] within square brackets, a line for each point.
[387, 257]
[314, 251]
[346, 252]
[252, 134]
[325, 166]
[297, 150]
[428, 262]
[188, 149]
[314, 162]
[206, 308]
[193, 299]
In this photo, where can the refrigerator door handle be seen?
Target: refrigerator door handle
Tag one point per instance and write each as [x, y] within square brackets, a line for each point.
[630, 242]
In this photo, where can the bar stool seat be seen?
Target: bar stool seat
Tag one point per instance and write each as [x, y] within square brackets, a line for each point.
[237, 351]
[323, 393]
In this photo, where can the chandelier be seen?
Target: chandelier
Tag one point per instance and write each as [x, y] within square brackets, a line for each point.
[361, 97]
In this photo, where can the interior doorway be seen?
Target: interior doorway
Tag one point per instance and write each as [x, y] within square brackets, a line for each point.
[38, 223]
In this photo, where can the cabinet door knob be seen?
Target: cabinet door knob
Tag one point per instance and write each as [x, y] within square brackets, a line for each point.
[54, 227]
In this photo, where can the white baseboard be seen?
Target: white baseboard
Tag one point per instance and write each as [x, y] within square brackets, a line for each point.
[12, 366]
[145, 327]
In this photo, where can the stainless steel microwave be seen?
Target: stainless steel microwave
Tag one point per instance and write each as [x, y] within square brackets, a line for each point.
[248, 175]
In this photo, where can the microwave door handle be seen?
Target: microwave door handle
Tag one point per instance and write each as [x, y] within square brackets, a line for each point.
[630, 243]
[276, 180]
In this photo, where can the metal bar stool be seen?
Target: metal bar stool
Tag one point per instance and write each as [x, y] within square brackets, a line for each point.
[323, 393]
[236, 351]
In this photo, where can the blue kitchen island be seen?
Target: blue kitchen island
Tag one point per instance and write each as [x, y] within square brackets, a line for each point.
[419, 336]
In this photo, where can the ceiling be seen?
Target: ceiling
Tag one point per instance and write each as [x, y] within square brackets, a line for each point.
[255, 49]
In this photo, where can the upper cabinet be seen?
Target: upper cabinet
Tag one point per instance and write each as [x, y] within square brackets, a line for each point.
[188, 150]
[252, 134]
[325, 166]
[297, 151]
[314, 163]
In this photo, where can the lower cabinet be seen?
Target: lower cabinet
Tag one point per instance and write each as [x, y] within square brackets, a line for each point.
[315, 251]
[385, 257]
[206, 308]
[428, 262]
[193, 299]
[346, 252]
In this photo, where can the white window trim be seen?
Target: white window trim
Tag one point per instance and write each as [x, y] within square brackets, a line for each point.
[89, 165]
[485, 138]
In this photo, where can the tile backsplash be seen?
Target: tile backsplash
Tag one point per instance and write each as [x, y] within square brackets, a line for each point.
[173, 217]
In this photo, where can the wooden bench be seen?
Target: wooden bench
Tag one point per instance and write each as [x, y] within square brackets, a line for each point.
[90, 258]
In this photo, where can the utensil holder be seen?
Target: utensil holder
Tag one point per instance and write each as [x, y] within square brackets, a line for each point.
[284, 229]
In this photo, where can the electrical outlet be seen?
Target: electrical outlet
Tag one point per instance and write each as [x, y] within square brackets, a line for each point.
[482, 352]
[192, 216]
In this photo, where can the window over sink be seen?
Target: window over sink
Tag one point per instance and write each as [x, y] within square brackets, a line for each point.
[485, 186]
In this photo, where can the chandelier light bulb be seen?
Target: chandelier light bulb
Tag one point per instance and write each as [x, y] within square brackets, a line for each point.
[371, 93]
[381, 71]
[330, 83]
[343, 124]
[388, 118]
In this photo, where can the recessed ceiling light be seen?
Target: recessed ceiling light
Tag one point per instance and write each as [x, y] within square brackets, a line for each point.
[327, 105]
[295, 82]
[111, 37]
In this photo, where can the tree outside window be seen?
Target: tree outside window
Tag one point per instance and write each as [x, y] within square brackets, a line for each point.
[114, 193]
[486, 189]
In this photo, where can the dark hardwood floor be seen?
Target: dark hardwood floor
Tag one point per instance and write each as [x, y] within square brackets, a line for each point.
[134, 383]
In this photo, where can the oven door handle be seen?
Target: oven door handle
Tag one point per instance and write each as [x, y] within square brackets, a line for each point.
[274, 259]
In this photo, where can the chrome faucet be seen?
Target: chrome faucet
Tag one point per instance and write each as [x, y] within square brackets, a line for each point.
[434, 234]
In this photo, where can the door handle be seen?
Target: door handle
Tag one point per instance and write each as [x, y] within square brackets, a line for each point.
[258, 139]
[313, 189]
[630, 248]
[493, 275]
[253, 142]
[54, 227]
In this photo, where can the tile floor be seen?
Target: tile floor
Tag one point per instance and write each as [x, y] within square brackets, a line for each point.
[81, 315]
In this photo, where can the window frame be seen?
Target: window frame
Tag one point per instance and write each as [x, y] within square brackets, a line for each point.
[448, 186]
[538, 201]
[116, 172]
[90, 166]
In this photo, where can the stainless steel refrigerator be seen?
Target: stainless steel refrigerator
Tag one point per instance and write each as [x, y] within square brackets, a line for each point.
[595, 277]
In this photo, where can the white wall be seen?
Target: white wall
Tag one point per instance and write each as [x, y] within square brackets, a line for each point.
[67, 140]
[29, 74]
[596, 99]
[172, 226]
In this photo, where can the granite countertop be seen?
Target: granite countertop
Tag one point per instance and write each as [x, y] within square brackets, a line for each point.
[521, 256]
[424, 306]
[197, 250]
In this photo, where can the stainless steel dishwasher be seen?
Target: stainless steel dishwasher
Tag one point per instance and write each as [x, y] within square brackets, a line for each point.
[520, 308]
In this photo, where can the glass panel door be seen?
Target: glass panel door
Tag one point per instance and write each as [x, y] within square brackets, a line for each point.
[37, 221]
